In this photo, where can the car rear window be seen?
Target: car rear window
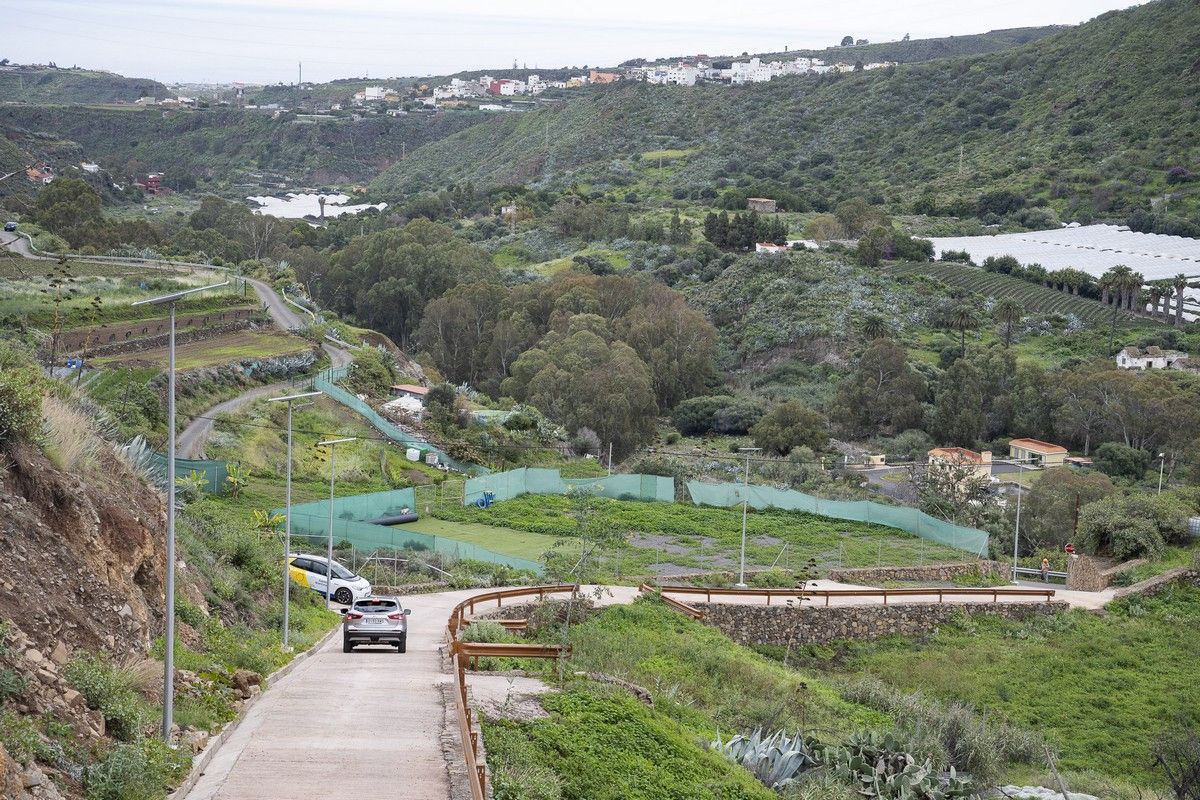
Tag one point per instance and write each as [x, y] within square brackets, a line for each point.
[375, 605]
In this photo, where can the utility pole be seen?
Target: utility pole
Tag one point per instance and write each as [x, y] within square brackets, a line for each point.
[960, 159]
[299, 84]
[741, 584]
[1162, 463]
[169, 613]
[1017, 527]
[287, 526]
[610, 458]
[330, 443]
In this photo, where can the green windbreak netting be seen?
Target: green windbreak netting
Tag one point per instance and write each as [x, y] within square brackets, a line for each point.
[911, 520]
[351, 515]
[324, 382]
[214, 472]
[532, 480]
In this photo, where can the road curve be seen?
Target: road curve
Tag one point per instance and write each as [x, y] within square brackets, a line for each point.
[190, 443]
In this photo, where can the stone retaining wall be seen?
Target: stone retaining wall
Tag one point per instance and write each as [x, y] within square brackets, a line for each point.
[928, 572]
[1152, 586]
[779, 625]
[163, 339]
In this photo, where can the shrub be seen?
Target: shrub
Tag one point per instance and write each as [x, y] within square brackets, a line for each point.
[21, 738]
[485, 631]
[141, 771]
[1121, 461]
[21, 387]
[12, 684]
[1128, 526]
[372, 372]
[110, 691]
[789, 425]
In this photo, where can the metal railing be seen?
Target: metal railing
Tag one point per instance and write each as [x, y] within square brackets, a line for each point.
[996, 593]
[678, 605]
[462, 653]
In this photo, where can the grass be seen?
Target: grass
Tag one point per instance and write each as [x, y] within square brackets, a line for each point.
[224, 349]
[1100, 688]
[505, 541]
[602, 744]
[708, 538]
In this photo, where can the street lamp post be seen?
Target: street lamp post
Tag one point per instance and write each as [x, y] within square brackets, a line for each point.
[287, 527]
[741, 584]
[329, 545]
[169, 613]
[1162, 463]
[1017, 527]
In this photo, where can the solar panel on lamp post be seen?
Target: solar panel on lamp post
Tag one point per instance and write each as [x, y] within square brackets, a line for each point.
[169, 612]
[287, 526]
[741, 584]
[329, 545]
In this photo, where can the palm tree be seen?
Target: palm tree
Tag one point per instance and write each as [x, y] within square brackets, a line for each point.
[1106, 284]
[1008, 311]
[1119, 279]
[962, 318]
[1165, 291]
[875, 327]
[1180, 284]
[1136, 280]
[1155, 295]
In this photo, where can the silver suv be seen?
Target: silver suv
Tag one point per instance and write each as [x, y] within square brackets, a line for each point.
[375, 620]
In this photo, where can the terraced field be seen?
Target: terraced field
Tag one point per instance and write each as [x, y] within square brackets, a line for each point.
[1035, 298]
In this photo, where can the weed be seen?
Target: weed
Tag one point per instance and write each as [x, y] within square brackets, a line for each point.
[143, 770]
[113, 692]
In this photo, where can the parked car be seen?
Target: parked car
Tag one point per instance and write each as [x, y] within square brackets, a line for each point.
[375, 620]
[309, 571]
[10, 226]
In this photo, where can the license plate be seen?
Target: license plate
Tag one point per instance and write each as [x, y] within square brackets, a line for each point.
[372, 621]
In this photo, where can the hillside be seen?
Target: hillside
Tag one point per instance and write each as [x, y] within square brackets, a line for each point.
[226, 144]
[914, 50]
[1088, 120]
[52, 85]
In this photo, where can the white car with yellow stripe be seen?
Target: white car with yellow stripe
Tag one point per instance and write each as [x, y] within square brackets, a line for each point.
[310, 571]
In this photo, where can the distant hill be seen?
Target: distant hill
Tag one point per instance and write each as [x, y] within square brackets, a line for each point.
[225, 144]
[915, 50]
[53, 85]
[1088, 120]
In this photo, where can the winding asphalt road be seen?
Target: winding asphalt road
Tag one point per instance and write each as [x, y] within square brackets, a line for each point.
[190, 443]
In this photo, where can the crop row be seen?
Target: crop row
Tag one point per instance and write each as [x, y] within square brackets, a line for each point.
[1036, 299]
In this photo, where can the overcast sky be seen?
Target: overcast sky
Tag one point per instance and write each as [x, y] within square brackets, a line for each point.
[261, 41]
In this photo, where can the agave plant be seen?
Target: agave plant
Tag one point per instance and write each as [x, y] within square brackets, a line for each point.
[876, 766]
[775, 760]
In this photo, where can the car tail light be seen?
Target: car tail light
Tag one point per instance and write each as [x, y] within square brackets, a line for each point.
[353, 615]
[396, 616]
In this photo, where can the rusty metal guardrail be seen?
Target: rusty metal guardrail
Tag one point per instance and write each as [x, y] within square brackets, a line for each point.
[941, 593]
[462, 653]
[678, 605]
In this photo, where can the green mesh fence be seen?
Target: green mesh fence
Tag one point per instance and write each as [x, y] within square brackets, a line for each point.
[911, 520]
[214, 472]
[324, 382]
[534, 480]
[310, 521]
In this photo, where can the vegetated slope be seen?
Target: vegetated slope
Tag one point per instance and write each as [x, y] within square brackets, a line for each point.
[224, 144]
[52, 85]
[915, 50]
[1035, 298]
[1088, 120]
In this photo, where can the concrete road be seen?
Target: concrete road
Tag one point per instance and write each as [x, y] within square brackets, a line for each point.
[346, 726]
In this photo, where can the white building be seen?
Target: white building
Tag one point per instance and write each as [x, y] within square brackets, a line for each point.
[1151, 358]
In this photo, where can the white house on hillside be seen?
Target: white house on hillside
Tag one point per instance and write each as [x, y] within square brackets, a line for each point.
[1152, 357]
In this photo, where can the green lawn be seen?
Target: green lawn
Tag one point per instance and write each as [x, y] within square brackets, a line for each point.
[505, 541]
[224, 349]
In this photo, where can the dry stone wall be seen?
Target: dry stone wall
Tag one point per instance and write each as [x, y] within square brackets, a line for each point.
[780, 625]
[929, 572]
